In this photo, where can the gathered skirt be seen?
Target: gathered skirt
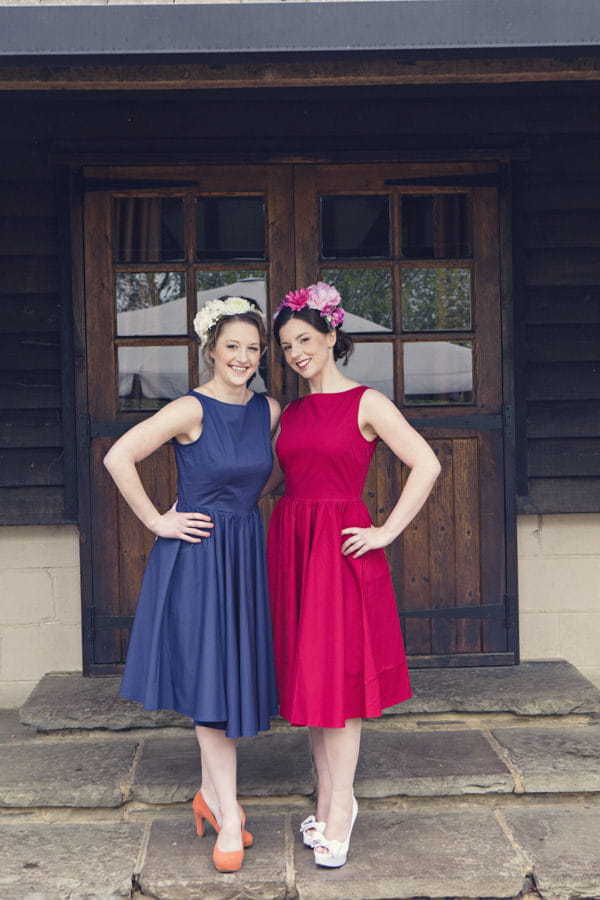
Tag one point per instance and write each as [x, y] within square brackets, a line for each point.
[339, 652]
[201, 640]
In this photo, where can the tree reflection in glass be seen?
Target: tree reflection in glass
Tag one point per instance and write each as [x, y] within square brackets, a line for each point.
[436, 299]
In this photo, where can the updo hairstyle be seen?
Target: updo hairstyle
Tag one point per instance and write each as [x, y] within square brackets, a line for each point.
[344, 345]
[253, 318]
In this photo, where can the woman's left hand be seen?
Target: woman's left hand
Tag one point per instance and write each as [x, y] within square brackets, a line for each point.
[364, 539]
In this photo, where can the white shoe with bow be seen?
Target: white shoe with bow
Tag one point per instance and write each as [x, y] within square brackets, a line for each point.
[312, 831]
[334, 854]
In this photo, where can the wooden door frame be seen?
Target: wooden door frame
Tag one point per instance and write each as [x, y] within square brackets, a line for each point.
[506, 269]
[508, 222]
[493, 181]
[101, 406]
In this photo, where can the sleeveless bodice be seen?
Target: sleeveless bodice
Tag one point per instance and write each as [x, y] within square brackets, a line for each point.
[227, 466]
[321, 450]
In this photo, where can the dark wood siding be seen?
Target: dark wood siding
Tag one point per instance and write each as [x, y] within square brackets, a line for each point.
[561, 207]
[31, 395]
[558, 298]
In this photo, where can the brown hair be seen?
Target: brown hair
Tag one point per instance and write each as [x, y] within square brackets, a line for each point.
[253, 318]
[344, 345]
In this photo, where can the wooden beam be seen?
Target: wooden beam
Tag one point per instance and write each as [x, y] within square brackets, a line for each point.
[298, 73]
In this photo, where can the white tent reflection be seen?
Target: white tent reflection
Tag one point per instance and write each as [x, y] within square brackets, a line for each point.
[162, 372]
[431, 368]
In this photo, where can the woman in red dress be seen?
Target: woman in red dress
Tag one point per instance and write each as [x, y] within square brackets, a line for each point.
[339, 655]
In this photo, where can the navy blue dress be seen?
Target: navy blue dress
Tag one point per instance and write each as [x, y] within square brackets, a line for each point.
[201, 641]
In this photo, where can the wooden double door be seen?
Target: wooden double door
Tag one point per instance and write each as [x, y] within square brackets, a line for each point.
[414, 252]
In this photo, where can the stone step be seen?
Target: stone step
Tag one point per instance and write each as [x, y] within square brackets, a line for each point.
[407, 854]
[95, 770]
[546, 688]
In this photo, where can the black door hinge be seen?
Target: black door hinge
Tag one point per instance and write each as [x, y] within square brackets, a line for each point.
[510, 602]
[89, 624]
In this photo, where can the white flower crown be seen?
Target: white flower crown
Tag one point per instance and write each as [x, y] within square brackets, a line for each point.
[207, 317]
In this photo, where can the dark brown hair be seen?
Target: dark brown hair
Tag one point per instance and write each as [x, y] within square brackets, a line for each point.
[344, 345]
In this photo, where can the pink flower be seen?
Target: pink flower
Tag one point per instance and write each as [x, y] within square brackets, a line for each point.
[336, 317]
[297, 299]
[322, 295]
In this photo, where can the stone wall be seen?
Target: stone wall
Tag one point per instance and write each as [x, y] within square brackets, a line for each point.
[40, 607]
[559, 589]
[40, 614]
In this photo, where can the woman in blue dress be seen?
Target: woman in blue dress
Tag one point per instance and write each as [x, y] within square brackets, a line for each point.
[201, 639]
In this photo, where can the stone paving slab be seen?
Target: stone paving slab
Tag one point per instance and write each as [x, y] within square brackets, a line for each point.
[65, 773]
[553, 687]
[178, 864]
[416, 854]
[11, 728]
[555, 759]
[431, 763]
[54, 862]
[563, 844]
[274, 763]
[68, 700]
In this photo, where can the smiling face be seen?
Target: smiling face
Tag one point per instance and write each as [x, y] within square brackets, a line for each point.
[236, 353]
[306, 350]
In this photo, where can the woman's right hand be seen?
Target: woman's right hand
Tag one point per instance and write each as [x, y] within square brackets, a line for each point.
[183, 526]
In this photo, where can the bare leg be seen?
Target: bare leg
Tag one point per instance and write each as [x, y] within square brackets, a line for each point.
[341, 747]
[219, 784]
[323, 777]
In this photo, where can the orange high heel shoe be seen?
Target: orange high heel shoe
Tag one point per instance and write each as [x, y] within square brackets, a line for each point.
[227, 861]
[202, 811]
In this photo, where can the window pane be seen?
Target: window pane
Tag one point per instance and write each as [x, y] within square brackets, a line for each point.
[216, 283]
[355, 227]
[373, 365]
[436, 299]
[438, 372]
[151, 376]
[435, 226]
[149, 229]
[366, 297]
[230, 228]
[151, 303]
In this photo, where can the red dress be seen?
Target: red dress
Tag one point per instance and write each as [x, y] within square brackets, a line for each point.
[338, 647]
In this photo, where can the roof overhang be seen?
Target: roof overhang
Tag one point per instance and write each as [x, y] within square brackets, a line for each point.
[289, 27]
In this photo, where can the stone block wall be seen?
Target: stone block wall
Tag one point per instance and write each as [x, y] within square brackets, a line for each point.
[40, 607]
[559, 589]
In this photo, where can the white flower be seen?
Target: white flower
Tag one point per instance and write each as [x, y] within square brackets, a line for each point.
[207, 317]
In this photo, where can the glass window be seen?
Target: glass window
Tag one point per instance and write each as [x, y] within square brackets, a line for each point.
[240, 283]
[149, 377]
[373, 364]
[438, 372]
[148, 229]
[151, 303]
[230, 228]
[435, 226]
[355, 227]
[436, 299]
[366, 297]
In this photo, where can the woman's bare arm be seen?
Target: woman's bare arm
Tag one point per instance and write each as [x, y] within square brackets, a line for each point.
[379, 417]
[180, 419]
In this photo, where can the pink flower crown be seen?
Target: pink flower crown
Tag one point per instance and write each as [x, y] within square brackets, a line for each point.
[320, 296]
